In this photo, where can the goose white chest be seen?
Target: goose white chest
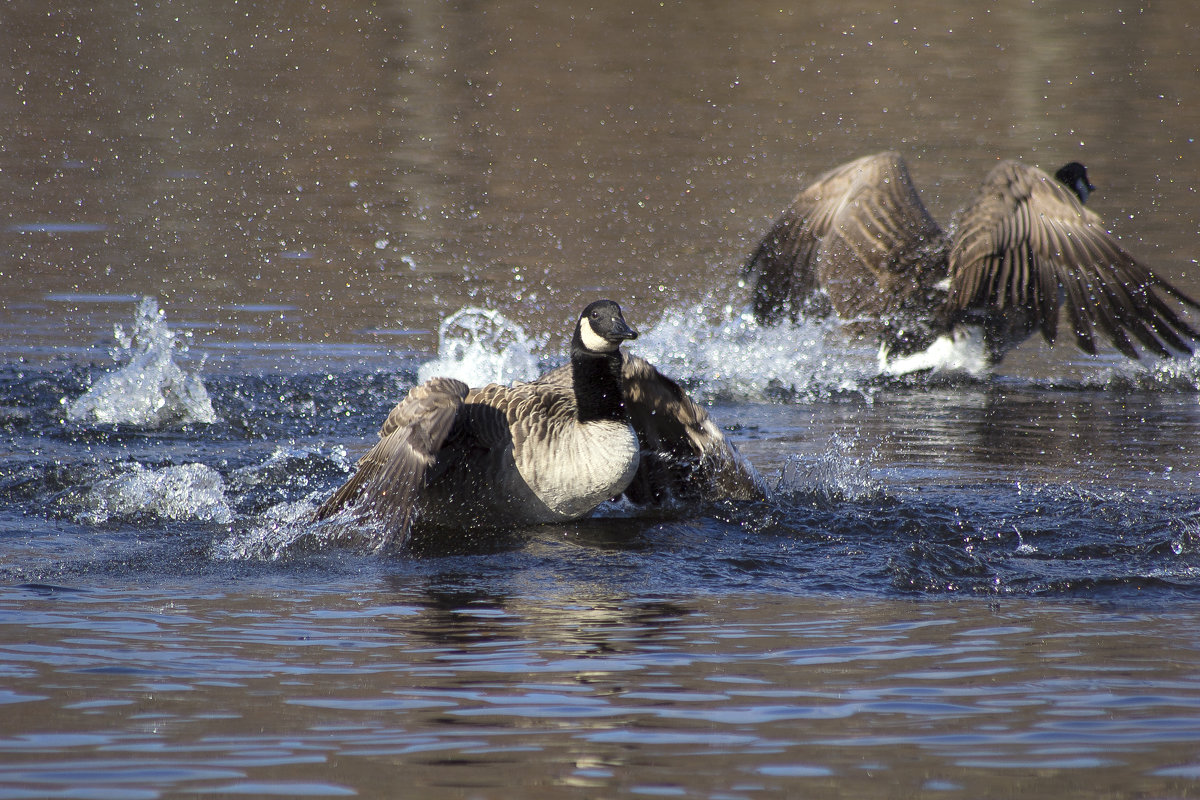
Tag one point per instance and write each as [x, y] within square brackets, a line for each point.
[583, 466]
[962, 350]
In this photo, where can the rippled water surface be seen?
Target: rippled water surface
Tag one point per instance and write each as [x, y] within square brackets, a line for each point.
[535, 679]
[232, 237]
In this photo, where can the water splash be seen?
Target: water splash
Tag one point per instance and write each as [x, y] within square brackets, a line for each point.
[1179, 374]
[723, 352]
[149, 389]
[718, 350]
[288, 528]
[835, 475]
[280, 528]
[481, 346]
[186, 492]
[278, 522]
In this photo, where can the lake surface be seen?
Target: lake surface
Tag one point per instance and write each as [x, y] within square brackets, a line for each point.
[959, 588]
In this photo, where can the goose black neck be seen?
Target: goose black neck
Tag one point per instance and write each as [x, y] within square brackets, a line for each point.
[597, 381]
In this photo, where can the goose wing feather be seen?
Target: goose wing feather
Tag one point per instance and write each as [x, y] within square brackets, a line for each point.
[1026, 241]
[528, 411]
[684, 452]
[389, 476]
[531, 417]
[860, 233]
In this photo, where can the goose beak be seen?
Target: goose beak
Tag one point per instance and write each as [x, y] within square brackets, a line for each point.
[1083, 188]
[621, 331]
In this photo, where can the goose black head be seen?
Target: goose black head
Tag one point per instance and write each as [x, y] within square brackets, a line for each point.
[1074, 176]
[601, 328]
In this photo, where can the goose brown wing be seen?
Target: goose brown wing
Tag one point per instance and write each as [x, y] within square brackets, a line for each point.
[860, 233]
[388, 477]
[1026, 243]
[684, 453]
[520, 415]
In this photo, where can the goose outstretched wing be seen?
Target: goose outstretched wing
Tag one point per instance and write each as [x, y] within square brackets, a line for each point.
[1027, 244]
[388, 477]
[860, 233]
[684, 453]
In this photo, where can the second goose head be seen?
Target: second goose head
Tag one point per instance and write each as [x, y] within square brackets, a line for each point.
[601, 329]
[1074, 176]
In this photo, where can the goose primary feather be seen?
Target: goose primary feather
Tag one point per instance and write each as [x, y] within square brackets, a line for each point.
[452, 459]
[859, 242]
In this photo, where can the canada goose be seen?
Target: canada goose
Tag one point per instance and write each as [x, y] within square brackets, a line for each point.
[549, 450]
[859, 242]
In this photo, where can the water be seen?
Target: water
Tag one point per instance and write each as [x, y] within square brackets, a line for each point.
[150, 389]
[231, 243]
[431, 680]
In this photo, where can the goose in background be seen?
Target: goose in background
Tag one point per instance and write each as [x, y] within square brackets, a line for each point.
[451, 459]
[858, 242]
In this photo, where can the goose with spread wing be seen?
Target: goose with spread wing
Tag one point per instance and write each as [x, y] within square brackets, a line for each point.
[858, 242]
[452, 459]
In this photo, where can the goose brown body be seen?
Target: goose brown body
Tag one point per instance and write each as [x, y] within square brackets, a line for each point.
[859, 242]
[451, 458]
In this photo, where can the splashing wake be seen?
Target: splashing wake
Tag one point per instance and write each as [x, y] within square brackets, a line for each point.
[719, 351]
[149, 389]
[725, 353]
[185, 492]
[481, 346]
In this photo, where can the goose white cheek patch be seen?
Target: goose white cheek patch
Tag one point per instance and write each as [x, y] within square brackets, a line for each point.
[592, 340]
